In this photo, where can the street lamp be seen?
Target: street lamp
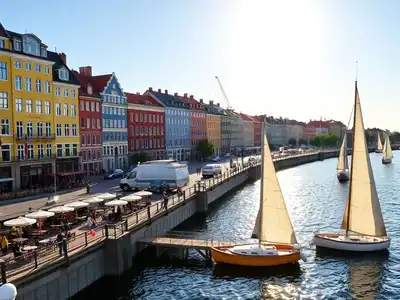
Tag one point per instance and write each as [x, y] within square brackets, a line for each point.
[8, 291]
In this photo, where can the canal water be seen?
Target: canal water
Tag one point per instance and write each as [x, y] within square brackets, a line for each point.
[315, 201]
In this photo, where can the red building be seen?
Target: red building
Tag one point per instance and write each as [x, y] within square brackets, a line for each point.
[146, 123]
[257, 132]
[198, 126]
[90, 121]
[309, 132]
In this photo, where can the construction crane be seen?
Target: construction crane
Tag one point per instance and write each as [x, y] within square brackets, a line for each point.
[223, 93]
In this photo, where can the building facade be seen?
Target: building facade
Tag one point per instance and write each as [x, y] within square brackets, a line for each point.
[294, 131]
[248, 134]
[145, 126]
[277, 134]
[90, 122]
[237, 131]
[198, 128]
[114, 119]
[27, 136]
[213, 124]
[309, 132]
[257, 133]
[177, 124]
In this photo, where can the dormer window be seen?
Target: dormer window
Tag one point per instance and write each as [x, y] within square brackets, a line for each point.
[17, 45]
[43, 52]
[63, 74]
[31, 45]
[2, 43]
[89, 90]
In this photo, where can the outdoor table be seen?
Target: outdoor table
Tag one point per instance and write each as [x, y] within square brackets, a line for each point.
[39, 232]
[29, 248]
[19, 240]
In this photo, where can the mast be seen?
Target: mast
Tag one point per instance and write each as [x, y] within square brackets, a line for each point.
[262, 180]
[352, 160]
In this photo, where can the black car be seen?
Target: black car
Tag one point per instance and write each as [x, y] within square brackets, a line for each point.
[158, 186]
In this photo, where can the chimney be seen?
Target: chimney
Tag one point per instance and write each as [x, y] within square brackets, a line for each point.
[137, 93]
[176, 94]
[211, 102]
[63, 57]
[185, 95]
[150, 89]
[201, 100]
[87, 71]
[218, 104]
[159, 90]
[166, 92]
[191, 97]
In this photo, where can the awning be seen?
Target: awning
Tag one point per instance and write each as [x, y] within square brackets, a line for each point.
[70, 173]
[6, 179]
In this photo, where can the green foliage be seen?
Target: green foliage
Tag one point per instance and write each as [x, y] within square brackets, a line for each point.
[139, 157]
[395, 137]
[205, 148]
[328, 139]
[303, 142]
[292, 142]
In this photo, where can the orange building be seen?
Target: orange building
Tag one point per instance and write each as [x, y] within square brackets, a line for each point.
[213, 124]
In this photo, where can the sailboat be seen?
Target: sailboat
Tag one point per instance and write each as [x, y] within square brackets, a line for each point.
[380, 147]
[362, 221]
[342, 169]
[277, 241]
[387, 151]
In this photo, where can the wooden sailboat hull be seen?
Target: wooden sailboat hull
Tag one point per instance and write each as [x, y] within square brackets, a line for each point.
[354, 243]
[343, 176]
[378, 151]
[386, 161]
[286, 254]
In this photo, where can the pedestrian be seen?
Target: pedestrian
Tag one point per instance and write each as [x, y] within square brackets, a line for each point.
[4, 245]
[89, 222]
[165, 199]
[60, 237]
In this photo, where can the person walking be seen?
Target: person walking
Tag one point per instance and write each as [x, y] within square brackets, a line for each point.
[59, 239]
[4, 245]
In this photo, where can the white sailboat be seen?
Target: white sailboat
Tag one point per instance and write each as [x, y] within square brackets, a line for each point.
[387, 151]
[362, 221]
[342, 169]
[379, 149]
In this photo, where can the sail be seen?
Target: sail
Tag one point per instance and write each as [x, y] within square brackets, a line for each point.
[379, 142]
[343, 163]
[363, 212]
[387, 149]
[273, 222]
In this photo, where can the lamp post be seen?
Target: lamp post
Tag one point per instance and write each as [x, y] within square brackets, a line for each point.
[8, 291]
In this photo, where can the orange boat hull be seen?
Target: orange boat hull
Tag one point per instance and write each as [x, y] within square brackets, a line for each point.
[287, 254]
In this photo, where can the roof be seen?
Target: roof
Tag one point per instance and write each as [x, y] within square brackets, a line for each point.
[232, 113]
[99, 82]
[169, 100]
[194, 104]
[249, 118]
[58, 64]
[141, 100]
[3, 31]
[325, 123]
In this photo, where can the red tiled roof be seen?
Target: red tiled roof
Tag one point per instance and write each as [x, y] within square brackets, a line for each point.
[326, 123]
[246, 117]
[141, 99]
[98, 83]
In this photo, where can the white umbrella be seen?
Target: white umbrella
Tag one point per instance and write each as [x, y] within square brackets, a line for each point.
[107, 196]
[143, 193]
[77, 204]
[116, 203]
[93, 200]
[40, 214]
[19, 222]
[131, 198]
[61, 209]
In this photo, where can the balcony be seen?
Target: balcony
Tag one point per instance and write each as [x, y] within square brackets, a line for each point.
[18, 137]
[36, 158]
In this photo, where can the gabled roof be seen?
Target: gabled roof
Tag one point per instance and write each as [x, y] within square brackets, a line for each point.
[169, 100]
[99, 82]
[192, 102]
[141, 100]
[84, 82]
[58, 64]
[249, 118]
[3, 31]
[325, 123]
[232, 113]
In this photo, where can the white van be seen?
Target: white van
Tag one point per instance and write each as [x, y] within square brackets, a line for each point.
[173, 174]
[211, 170]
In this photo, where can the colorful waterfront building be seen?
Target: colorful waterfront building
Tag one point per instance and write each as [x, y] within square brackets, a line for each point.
[237, 131]
[198, 128]
[145, 126]
[248, 135]
[213, 123]
[309, 132]
[257, 132]
[177, 124]
[27, 121]
[90, 115]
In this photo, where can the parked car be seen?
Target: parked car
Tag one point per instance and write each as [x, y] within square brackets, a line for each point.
[117, 173]
[211, 170]
[216, 158]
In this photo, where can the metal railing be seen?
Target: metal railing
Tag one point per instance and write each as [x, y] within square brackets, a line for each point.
[26, 158]
[20, 137]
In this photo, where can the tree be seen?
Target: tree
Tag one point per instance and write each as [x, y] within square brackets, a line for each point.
[303, 142]
[139, 157]
[327, 139]
[292, 142]
[205, 148]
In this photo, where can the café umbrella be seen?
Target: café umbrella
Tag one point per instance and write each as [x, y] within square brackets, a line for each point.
[107, 196]
[61, 209]
[40, 214]
[116, 203]
[19, 222]
[131, 198]
[93, 200]
[143, 193]
[77, 204]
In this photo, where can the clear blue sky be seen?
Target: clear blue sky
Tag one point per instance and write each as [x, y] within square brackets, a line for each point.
[293, 59]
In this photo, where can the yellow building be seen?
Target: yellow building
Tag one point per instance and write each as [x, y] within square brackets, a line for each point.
[27, 111]
[213, 124]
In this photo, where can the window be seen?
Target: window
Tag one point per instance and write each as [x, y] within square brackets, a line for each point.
[48, 129]
[73, 93]
[5, 127]
[83, 139]
[18, 105]
[67, 150]
[48, 150]
[93, 123]
[65, 109]
[28, 67]
[18, 83]
[97, 107]
[59, 130]
[93, 139]
[73, 110]
[92, 106]
[3, 100]
[17, 64]
[3, 71]
[66, 92]
[37, 68]
[47, 108]
[20, 129]
[63, 74]
[28, 84]
[47, 87]
[98, 124]
[28, 106]
[39, 128]
[74, 130]
[31, 45]
[58, 92]
[87, 106]
[38, 86]
[59, 150]
[82, 105]
[43, 51]
[82, 123]
[31, 153]
[74, 149]
[39, 108]
[40, 151]
[58, 109]
[21, 152]
[6, 152]
[88, 123]
[29, 129]
[2, 44]
[66, 129]
[46, 70]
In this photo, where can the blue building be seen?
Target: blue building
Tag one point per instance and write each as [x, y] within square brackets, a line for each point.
[177, 124]
[115, 129]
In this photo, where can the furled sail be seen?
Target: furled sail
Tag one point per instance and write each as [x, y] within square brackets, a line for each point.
[343, 163]
[363, 212]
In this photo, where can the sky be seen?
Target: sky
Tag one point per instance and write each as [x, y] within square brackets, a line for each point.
[294, 59]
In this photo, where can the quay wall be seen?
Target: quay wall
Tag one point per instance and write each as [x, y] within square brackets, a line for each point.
[114, 255]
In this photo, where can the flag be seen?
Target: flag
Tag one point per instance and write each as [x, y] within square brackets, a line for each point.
[26, 145]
